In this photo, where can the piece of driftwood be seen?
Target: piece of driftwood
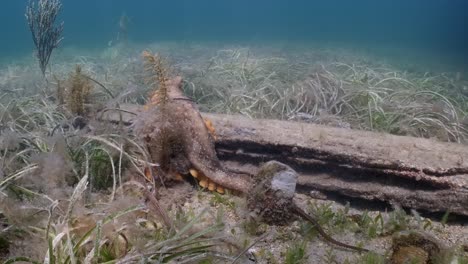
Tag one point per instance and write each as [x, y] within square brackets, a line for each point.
[411, 172]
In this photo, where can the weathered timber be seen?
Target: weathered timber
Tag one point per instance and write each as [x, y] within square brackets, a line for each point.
[412, 172]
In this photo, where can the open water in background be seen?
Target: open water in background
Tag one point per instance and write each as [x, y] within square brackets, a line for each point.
[435, 29]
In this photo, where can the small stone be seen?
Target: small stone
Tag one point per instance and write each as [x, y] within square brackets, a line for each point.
[410, 254]
[415, 247]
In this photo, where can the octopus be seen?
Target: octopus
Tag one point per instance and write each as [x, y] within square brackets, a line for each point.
[181, 142]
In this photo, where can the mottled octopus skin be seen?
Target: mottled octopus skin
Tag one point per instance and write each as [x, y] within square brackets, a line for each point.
[178, 139]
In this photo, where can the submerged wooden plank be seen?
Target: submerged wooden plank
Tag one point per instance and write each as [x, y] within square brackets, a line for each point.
[413, 172]
[417, 158]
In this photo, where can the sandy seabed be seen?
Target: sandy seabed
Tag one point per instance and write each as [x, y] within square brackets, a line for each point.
[42, 194]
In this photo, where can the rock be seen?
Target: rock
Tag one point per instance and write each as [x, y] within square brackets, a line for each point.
[416, 247]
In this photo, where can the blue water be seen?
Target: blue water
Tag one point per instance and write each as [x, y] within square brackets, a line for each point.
[433, 27]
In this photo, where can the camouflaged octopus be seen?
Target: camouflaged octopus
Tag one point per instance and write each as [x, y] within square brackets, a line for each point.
[177, 137]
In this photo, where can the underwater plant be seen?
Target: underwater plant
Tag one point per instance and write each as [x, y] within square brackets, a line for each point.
[45, 34]
[79, 91]
[74, 93]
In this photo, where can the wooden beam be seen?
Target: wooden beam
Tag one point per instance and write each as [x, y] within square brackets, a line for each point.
[413, 172]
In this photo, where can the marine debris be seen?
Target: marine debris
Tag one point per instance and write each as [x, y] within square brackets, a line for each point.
[41, 17]
[372, 166]
[414, 173]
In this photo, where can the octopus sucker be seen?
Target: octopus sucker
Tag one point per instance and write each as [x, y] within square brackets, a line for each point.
[205, 182]
[220, 190]
[211, 186]
[194, 173]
